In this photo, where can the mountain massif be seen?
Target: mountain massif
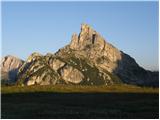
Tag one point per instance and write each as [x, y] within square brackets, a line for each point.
[87, 60]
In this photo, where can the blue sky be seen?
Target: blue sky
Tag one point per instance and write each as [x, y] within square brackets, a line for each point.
[47, 26]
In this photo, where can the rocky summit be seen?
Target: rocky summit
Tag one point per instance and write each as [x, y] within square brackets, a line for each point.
[88, 60]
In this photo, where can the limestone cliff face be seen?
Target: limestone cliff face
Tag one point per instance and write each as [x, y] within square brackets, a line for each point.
[9, 68]
[71, 74]
[9, 63]
[93, 46]
[87, 37]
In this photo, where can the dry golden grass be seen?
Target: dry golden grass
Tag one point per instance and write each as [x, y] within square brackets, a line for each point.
[77, 88]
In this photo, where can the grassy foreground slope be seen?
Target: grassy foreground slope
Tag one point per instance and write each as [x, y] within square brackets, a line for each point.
[62, 101]
[78, 88]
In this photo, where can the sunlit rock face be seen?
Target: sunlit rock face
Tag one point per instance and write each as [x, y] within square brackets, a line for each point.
[71, 74]
[9, 68]
[37, 71]
[55, 64]
[93, 46]
[9, 63]
[87, 37]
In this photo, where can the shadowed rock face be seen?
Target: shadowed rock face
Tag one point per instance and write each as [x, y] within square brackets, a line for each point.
[9, 68]
[87, 60]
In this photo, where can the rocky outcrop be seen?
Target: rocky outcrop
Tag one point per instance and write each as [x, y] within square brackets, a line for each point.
[9, 68]
[36, 71]
[56, 64]
[9, 63]
[71, 74]
[87, 38]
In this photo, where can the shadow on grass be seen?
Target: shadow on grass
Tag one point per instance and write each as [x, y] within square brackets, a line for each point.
[79, 105]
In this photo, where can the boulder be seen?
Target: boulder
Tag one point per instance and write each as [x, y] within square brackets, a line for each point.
[71, 74]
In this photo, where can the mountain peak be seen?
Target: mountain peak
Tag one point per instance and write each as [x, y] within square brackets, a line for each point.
[88, 37]
[86, 28]
[9, 62]
[9, 67]
[11, 57]
[87, 60]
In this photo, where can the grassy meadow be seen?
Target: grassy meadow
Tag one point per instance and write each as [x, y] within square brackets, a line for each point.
[69, 101]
